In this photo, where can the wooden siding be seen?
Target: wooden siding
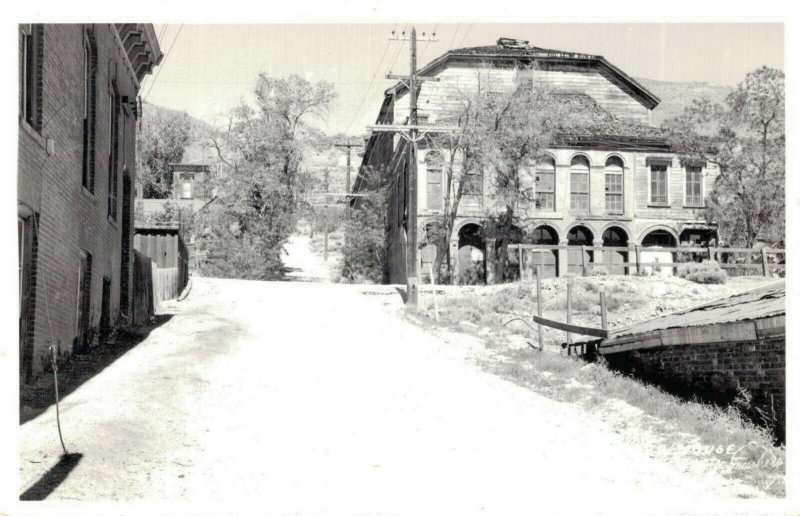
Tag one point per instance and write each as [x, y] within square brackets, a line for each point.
[440, 99]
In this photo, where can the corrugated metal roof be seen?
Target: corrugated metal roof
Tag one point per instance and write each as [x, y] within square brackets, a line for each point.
[767, 301]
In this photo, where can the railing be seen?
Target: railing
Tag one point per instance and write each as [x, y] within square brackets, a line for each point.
[742, 261]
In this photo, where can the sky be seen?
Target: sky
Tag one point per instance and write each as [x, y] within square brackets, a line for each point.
[207, 69]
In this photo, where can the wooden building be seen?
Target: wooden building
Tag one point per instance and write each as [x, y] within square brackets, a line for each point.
[624, 187]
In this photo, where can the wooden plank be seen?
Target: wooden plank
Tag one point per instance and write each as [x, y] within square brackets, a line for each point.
[743, 331]
[771, 327]
[625, 344]
[572, 328]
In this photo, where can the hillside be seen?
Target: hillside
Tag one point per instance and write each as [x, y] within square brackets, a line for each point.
[198, 151]
[675, 96]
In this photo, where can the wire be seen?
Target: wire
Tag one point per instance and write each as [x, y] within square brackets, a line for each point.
[427, 42]
[453, 39]
[163, 61]
[369, 88]
[465, 35]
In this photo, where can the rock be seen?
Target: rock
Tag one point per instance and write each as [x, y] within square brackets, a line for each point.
[517, 341]
[659, 289]
[485, 331]
[588, 367]
[468, 326]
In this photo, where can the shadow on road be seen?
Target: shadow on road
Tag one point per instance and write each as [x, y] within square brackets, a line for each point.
[53, 478]
[36, 397]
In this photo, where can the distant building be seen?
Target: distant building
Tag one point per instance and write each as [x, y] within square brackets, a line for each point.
[78, 106]
[621, 188]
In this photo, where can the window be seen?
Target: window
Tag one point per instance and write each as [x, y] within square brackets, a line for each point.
[113, 152]
[31, 48]
[658, 184]
[186, 190]
[694, 186]
[614, 178]
[473, 183]
[433, 165]
[579, 184]
[84, 299]
[545, 190]
[89, 108]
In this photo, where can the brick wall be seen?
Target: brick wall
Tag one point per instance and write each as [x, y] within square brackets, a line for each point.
[713, 371]
[70, 217]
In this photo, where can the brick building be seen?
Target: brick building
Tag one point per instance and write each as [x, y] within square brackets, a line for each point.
[79, 86]
[620, 187]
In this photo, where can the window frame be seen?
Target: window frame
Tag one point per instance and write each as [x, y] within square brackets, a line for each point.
[698, 169]
[576, 168]
[614, 167]
[89, 161]
[113, 151]
[547, 167]
[652, 168]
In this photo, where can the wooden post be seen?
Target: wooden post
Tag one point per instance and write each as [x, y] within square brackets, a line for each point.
[569, 315]
[325, 246]
[710, 254]
[764, 262]
[638, 250]
[583, 260]
[435, 301]
[603, 318]
[539, 303]
[519, 256]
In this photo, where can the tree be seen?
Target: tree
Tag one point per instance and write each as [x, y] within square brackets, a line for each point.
[746, 137]
[364, 252]
[161, 140]
[502, 135]
[259, 179]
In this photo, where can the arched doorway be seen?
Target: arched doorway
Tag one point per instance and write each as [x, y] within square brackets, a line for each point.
[576, 237]
[653, 243]
[547, 258]
[471, 255]
[615, 237]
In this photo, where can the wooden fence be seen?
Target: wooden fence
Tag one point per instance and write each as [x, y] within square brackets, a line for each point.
[166, 283]
[737, 261]
[142, 288]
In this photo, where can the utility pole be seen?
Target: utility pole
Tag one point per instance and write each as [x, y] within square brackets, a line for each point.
[412, 132]
[347, 198]
[325, 254]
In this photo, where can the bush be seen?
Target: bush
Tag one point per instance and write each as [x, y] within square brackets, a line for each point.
[707, 272]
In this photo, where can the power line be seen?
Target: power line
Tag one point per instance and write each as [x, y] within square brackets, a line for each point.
[369, 88]
[427, 42]
[453, 39]
[465, 35]
[163, 61]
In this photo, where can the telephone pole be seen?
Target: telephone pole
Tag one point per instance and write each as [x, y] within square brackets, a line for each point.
[412, 132]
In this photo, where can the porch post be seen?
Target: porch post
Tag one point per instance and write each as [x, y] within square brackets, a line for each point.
[562, 267]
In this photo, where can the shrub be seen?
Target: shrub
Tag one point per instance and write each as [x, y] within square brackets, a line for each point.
[707, 272]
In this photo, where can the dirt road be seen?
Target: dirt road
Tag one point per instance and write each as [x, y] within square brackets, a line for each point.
[310, 398]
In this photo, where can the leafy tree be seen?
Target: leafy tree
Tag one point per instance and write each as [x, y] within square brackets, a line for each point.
[259, 179]
[745, 136]
[502, 134]
[364, 251]
[162, 139]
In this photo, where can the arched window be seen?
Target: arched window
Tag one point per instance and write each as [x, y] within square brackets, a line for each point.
[433, 167]
[545, 187]
[579, 183]
[614, 181]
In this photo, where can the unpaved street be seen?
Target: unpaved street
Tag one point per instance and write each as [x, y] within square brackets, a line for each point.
[309, 397]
